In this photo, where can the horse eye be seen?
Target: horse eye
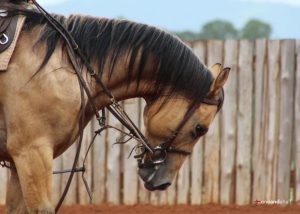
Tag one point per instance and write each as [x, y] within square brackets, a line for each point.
[200, 130]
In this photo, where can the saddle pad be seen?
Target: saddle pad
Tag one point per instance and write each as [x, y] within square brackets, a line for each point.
[6, 55]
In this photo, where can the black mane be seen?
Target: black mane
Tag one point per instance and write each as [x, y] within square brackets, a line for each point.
[178, 67]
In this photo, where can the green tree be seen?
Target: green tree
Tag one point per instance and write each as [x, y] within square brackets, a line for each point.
[219, 29]
[188, 35]
[255, 29]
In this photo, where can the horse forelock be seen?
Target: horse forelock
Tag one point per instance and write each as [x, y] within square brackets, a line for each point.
[102, 39]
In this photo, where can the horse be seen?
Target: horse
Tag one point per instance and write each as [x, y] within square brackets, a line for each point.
[40, 97]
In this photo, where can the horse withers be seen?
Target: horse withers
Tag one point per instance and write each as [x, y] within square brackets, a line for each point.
[40, 98]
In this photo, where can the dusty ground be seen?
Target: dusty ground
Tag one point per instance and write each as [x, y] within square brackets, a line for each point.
[207, 209]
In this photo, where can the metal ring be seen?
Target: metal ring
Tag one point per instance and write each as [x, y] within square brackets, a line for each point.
[161, 156]
[5, 37]
[3, 13]
[139, 152]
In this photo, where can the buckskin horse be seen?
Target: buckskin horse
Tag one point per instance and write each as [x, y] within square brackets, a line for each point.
[40, 98]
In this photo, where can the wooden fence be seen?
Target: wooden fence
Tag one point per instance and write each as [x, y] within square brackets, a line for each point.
[252, 150]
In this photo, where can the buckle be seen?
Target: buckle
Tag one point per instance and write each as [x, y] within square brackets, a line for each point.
[3, 39]
[3, 13]
[159, 155]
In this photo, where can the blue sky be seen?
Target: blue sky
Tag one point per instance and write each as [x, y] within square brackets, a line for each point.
[177, 15]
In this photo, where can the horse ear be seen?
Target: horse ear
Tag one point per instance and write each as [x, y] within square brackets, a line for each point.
[215, 69]
[220, 79]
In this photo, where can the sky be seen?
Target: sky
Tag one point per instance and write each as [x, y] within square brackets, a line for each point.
[179, 15]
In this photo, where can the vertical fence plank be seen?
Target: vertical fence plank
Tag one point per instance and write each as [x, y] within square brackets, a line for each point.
[229, 124]
[67, 162]
[297, 125]
[197, 173]
[3, 172]
[83, 196]
[172, 193]
[154, 198]
[183, 179]
[4, 179]
[273, 109]
[144, 194]
[197, 156]
[159, 197]
[260, 100]
[130, 179]
[286, 118]
[99, 165]
[212, 139]
[163, 198]
[243, 177]
[183, 183]
[113, 187]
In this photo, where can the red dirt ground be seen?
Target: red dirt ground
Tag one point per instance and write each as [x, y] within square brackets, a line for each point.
[206, 209]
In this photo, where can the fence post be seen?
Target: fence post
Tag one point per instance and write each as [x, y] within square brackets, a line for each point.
[244, 143]
[130, 178]
[259, 156]
[197, 159]
[229, 125]
[212, 139]
[297, 125]
[113, 181]
[286, 118]
[273, 109]
[99, 151]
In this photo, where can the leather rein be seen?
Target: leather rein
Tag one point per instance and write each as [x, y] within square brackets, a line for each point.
[76, 58]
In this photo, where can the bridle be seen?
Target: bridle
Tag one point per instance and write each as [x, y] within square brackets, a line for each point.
[158, 153]
[161, 151]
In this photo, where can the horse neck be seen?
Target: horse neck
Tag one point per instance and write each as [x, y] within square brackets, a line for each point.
[118, 82]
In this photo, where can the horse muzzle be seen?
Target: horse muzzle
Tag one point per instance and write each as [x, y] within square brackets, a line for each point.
[155, 176]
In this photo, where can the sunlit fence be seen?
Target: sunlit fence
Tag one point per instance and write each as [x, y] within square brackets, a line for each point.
[252, 151]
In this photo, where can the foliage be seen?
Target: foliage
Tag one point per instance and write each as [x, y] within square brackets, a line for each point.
[256, 29]
[188, 35]
[221, 29]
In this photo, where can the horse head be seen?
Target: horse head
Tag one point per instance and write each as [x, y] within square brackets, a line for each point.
[162, 118]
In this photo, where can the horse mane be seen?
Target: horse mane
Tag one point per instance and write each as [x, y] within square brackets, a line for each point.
[102, 39]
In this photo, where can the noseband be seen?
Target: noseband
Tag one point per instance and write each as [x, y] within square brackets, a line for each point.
[159, 153]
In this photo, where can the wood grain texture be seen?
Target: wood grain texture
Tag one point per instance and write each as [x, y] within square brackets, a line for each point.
[67, 162]
[144, 195]
[183, 183]
[130, 178]
[172, 192]
[113, 182]
[99, 165]
[212, 139]
[83, 197]
[297, 124]
[197, 159]
[244, 143]
[229, 125]
[273, 110]
[286, 117]
[4, 174]
[260, 107]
